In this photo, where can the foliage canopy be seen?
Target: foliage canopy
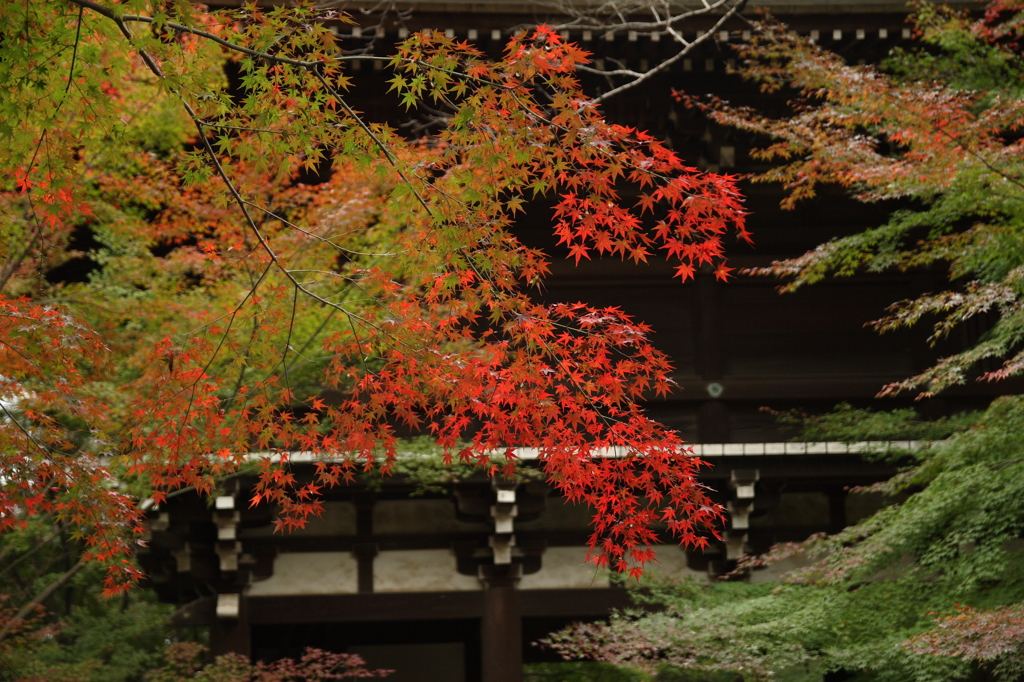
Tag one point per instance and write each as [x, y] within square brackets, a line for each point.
[925, 589]
[232, 314]
[937, 127]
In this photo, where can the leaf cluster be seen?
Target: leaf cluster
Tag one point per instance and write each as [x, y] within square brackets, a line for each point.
[848, 424]
[226, 314]
[937, 127]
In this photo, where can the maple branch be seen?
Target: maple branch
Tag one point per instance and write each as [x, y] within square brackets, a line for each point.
[380, 145]
[253, 227]
[74, 60]
[253, 285]
[388, 154]
[323, 324]
[313, 67]
[288, 340]
[301, 352]
[898, 103]
[565, 129]
[284, 351]
[352, 281]
[608, 420]
[25, 431]
[17, 351]
[222, 126]
[306, 64]
[223, 339]
[589, 19]
[312, 235]
[120, 19]
[390, 157]
[11, 266]
[359, 345]
[1013, 180]
[244, 204]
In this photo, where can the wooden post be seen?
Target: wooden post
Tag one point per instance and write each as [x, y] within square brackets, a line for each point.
[836, 508]
[365, 553]
[501, 629]
[712, 416]
[365, 548]
[232, 635]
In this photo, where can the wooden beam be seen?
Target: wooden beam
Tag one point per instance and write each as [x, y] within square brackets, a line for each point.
[338, 608]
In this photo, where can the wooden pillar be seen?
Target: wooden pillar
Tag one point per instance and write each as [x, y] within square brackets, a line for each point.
[365, 553]
[365, 548]
[713, 422]
[501, 629]
[836, 508]
[710, 358]
[712, 416]
[231, 635]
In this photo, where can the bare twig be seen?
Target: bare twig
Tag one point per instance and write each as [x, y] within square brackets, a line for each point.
[26, 555]
[665, 18]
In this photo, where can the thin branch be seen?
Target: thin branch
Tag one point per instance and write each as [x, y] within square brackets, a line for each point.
[25, 431]
[74, 60]
[121, 19]
[288, 341]
[588, 18]
[26, 555]
[641, 77]
[312, 235]
[11, 266]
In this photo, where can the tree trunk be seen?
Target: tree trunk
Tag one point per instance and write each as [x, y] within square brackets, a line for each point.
[39, 599]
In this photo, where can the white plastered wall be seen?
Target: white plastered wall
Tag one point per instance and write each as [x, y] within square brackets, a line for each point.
[419, 570]
[565, 568]
[310, 573]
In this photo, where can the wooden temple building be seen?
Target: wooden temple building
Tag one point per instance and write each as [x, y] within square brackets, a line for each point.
[454, 586]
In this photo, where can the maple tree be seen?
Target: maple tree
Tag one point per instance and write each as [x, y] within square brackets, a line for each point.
[939, 129]
[930, 587]
[233, 314]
